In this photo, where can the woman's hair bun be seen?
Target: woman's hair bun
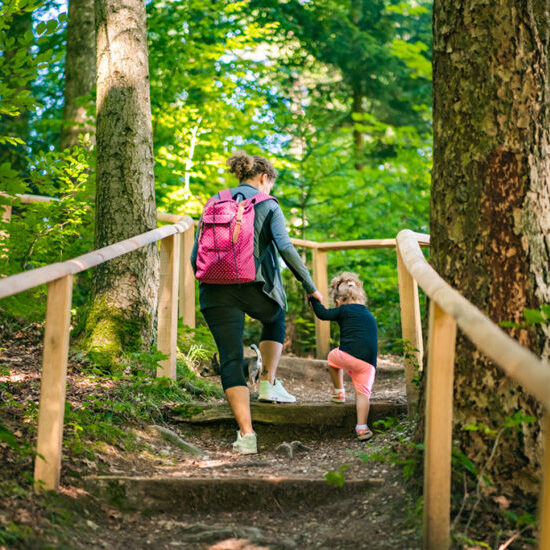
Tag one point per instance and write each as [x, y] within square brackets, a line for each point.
[240, 164]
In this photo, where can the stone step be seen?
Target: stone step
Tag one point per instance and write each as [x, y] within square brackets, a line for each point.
[277, 422]
[182, 495]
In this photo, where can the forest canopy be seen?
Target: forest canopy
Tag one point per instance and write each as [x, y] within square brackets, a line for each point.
[337, 95]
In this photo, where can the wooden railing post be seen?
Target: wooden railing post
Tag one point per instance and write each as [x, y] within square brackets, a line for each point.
[168, 304]
[47, 465]
[411, 331]
[544, 512]
[439, 427]
[320, 278]
[187, 279]
[6, 213]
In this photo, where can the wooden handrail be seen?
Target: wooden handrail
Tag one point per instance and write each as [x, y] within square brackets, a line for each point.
[42, 275]
[27, 199]
[517, 362]
[448, 308]
[59, 278]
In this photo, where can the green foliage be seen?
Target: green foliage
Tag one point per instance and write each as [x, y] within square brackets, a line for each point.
[207, 95]
[43, 233]
[476, 483]
[532, 317]
[278, 79]
[136, 396]
[7, 436]
[25, 55]
[337, 478]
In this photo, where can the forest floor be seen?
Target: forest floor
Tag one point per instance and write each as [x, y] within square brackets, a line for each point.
[381, 515]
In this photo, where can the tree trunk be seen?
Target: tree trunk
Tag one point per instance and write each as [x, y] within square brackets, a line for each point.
[80, 69]
[357, 107]
[124, 293]
[490, 206]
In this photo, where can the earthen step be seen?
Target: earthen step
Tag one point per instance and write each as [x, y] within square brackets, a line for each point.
[297, 414]
[196, 495]
[275, 423]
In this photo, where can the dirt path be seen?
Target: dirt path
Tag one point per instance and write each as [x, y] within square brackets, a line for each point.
[270, 500]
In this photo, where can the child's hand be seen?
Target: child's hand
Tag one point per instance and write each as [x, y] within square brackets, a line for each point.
[316, 295]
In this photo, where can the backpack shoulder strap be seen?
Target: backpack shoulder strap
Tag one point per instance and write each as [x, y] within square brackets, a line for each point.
[261, 197]
[225, 195]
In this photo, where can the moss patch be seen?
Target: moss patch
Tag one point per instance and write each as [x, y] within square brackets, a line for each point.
[111, 331]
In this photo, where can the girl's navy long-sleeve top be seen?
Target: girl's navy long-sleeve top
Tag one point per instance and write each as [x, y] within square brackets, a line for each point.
[358, 330]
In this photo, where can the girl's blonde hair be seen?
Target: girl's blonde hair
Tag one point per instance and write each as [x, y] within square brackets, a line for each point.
[347, 288]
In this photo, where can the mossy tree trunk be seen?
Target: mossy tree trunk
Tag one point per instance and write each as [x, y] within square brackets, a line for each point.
[80, 73]
[490, 206]
[124, 291]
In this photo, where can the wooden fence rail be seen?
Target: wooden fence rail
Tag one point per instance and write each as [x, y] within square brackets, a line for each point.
[447, 310]
[186, 277]
[59, 278]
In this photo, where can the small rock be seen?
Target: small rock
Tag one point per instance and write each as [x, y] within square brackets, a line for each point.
[92, 525]
[298, 447]
[285, 449]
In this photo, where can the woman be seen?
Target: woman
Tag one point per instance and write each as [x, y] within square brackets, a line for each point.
[224, 306]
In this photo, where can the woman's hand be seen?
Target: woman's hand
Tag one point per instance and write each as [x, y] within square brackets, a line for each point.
[317, 295]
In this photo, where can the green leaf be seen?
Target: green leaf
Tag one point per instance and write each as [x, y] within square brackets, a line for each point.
[533, 316]
[336, 478]
[8, 437]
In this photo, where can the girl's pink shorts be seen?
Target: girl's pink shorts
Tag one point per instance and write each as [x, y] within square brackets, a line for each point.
[361, 372]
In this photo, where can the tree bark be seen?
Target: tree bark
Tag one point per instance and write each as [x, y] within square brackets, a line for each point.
[357, 108]
[124, 291]
[490, 206]
[80, 73]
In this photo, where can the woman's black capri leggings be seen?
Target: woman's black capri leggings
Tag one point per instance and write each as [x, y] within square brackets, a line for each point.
[226, 322]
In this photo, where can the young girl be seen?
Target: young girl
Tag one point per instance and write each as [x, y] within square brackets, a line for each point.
[358, 344]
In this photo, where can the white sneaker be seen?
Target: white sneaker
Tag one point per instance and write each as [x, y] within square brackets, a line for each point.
[245, 444]
[274, 392]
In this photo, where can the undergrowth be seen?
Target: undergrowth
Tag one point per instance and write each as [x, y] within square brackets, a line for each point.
[102, 409]
[481, 517]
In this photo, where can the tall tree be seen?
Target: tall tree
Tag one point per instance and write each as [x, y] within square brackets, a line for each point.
[124, 293]
[490, 205]
[80, 71]
[358, 38]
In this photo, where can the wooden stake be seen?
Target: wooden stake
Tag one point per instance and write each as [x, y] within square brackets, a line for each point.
[411, 331]
[544, 513]
[5, 210]
[187, 279]
[168, 304]
[52, 387]
[320, 278]
[439, 427]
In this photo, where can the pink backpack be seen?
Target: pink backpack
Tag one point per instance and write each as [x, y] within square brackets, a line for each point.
[225, 252]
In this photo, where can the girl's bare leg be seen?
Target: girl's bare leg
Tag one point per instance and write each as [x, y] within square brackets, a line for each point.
[337, 377]
[362, 404]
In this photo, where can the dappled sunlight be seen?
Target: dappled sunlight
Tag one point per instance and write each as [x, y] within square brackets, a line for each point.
[236, 544]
